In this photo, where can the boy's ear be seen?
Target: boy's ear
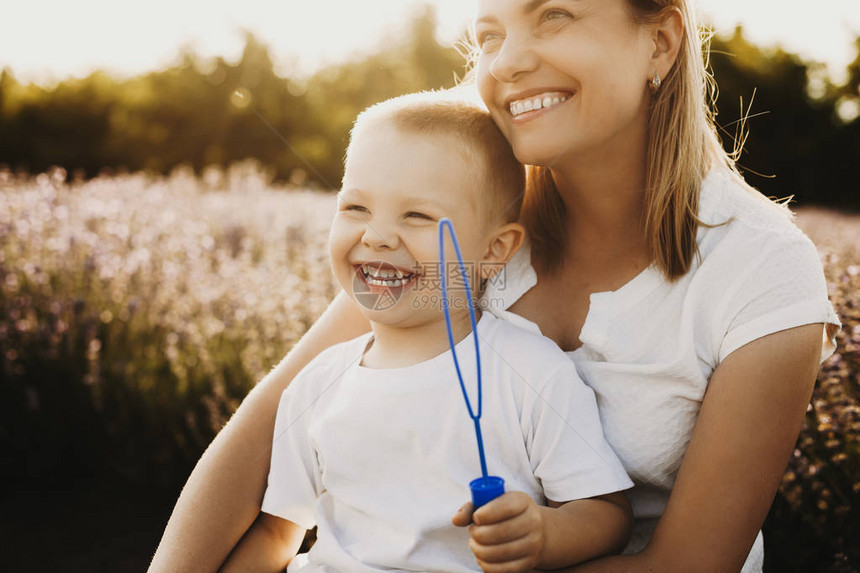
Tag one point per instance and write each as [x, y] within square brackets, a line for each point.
[503, 243]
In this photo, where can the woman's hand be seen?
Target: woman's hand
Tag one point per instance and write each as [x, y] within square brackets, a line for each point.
[507, 534]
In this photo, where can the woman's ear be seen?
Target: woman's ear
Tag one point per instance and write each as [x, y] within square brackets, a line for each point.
[503, 243]
[668, 35]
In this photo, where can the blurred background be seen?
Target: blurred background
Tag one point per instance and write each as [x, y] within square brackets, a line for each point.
[166, 183]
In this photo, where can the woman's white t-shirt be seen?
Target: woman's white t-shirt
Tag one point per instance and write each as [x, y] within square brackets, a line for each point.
[649, 348]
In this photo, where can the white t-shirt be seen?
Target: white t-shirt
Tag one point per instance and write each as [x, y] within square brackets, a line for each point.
[380, 459]
[649, 348]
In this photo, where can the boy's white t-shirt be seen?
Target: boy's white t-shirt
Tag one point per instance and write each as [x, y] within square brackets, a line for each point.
[650, 347]
[381, 459]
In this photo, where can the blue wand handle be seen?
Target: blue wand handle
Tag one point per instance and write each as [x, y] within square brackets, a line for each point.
[487, 487]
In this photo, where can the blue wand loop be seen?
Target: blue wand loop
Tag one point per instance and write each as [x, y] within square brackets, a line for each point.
[487, 487]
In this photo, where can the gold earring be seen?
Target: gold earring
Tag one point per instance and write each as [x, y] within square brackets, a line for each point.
[655, 82]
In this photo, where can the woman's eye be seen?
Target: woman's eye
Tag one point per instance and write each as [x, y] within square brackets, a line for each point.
[352, 207]
[555, 15]
[487, 38]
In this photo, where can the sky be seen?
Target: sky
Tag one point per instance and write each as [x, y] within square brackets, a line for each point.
[47, 40]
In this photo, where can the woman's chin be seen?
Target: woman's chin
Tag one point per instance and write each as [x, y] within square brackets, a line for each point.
[539, 158]
[545, 153]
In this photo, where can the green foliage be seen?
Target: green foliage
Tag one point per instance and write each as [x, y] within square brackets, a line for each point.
[795, 144]
[199, 114]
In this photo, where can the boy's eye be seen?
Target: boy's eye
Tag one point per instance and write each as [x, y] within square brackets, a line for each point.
[353, 207]
[416, 214]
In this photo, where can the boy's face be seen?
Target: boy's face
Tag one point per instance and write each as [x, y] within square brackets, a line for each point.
[384, 240]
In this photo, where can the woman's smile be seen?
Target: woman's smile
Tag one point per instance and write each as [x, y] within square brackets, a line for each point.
[532, 106]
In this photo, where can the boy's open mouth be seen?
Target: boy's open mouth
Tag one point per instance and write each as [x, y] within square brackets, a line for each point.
[382, 274]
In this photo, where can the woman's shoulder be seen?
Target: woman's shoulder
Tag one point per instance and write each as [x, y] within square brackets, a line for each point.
[741, 228]
[729, 207]
[758, 272]
[746, 236]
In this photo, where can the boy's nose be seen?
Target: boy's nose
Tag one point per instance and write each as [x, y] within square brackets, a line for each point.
[379, 238]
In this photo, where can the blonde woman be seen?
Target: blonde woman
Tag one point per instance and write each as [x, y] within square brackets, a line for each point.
[694, 308]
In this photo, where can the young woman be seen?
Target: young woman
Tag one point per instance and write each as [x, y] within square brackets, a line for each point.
[693, 307]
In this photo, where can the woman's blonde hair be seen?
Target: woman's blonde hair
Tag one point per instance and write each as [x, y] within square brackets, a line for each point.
[682, 147]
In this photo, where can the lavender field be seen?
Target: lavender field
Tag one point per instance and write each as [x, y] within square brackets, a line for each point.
[136, 311]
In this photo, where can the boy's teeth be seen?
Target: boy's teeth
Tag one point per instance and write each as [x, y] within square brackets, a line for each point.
[536, 103]
[384, 277]
[388, 283]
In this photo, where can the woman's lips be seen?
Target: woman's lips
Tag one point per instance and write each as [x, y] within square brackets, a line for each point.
[534, 106]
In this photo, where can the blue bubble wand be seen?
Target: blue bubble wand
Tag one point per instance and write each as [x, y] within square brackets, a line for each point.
[486, 487]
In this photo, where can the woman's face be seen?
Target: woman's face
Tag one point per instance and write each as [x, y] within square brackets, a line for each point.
[564, 79]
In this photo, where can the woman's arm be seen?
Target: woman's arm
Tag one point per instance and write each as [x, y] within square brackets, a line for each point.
[222, 496]
[747, 427]
[269, 545]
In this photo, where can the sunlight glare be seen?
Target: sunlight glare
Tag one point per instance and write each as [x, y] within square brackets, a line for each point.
[46, 40]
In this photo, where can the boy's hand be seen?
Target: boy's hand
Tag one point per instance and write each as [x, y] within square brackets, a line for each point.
[507, 534]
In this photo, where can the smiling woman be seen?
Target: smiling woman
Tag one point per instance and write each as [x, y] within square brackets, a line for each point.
[637, 214]
[593, 66]
[692, 306]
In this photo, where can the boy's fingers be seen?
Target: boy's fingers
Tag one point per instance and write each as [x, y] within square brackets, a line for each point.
[518, 566]
[526, 547]
[505, 531]
[463, 517]
[506, 506]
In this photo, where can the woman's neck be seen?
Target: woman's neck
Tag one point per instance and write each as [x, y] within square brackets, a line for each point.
[399, 346]
[604, 196]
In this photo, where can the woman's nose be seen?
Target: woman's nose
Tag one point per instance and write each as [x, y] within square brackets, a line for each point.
[514, 58]
[379, 238]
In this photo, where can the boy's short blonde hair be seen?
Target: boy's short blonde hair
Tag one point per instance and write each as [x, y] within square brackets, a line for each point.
[464, 120]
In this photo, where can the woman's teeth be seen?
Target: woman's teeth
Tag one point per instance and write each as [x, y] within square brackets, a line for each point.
[384, 277]
[538, 102]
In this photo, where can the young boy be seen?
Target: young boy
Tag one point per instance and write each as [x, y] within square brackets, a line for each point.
[373, 442]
